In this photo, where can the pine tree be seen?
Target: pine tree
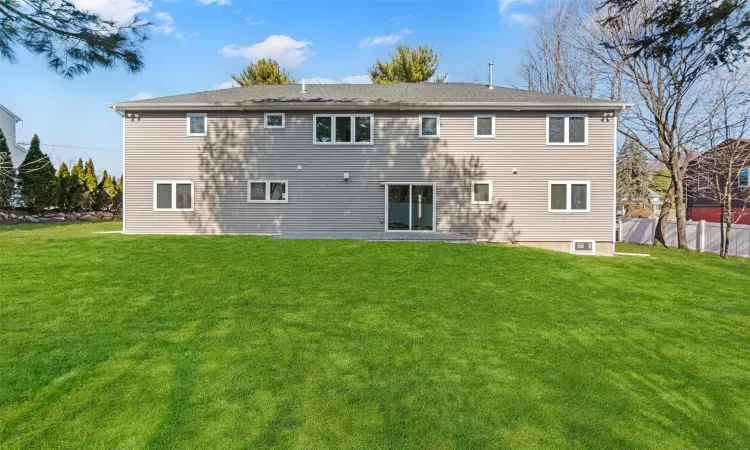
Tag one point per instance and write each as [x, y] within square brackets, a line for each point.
[38, 185]
[263, 71]
[117, 201]
[66, 185]
[7, 173]
[90, 186]
[106, 191]
[77, 182]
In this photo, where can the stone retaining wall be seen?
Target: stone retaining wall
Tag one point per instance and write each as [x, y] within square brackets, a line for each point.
[16, 217]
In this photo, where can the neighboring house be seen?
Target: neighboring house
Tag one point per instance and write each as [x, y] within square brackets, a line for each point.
[701, 208]
[8, 122]
[496, 164]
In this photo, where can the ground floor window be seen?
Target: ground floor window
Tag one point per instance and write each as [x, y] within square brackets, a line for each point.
[481, 192]
[267, 191]
[569, 196]
[173, 195]
[410, 207]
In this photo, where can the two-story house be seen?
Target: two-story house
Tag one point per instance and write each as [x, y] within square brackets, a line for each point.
[495, 164]
[8, 122]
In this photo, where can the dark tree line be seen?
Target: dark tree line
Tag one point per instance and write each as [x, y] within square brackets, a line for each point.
[36, 186]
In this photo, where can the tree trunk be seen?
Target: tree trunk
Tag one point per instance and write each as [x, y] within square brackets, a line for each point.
[726, 237]
[722, 215]
[666, 208]
[679, 206]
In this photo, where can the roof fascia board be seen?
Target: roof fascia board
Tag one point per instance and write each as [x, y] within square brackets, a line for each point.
[364, 105]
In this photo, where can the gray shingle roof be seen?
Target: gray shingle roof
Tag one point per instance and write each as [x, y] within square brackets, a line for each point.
[404, 93]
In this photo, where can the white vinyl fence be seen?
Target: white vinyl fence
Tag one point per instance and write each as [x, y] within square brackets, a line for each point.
[702, 236]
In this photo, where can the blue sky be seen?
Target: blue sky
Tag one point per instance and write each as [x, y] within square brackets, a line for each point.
[196, 44]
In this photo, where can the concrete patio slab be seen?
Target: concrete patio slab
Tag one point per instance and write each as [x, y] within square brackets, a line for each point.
[413, 236]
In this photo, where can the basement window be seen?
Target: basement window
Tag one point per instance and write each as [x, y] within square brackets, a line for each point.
[583, 247]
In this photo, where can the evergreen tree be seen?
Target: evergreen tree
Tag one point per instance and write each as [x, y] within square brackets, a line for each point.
[70, 37]
[90, 186]
[7, 173]
[38, 185]
[263, 71]
[77, 182]
[117, 201]
[407, 65]
[633, 179]
[66, 185]
[106, 191]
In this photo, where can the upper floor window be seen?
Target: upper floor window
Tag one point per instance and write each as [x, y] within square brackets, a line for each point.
[196, 124]
[173, 195]
[429, 126]
[342, 129]
[704, 180]
[744, 178]
[569, 196]
[567, 129]
[274, 120]
[484, 126]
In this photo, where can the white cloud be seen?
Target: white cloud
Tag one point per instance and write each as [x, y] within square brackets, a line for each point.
[504, 5]
[397, 20]
[287, 51]
[166, 25]
[385, 40]
[352, 79]
[522, 19]
[218, 2]
[357, 79]
[253, 21]
[318, 80]
[185, 36]
[141, 96]
[225, 85]
[120, 11]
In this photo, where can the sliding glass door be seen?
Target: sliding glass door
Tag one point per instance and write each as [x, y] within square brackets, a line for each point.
[410, 207]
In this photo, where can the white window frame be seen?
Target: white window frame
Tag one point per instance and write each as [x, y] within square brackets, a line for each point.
[569, 197]
[476, 122]
[429, 116]
[566, 129]
[411, 184]
[748, 178]
[591, 252]
[205, 123]
[704, 180]
[351, 117]
[268, 191]
[174, 195]
[265, 120]
[476, 202]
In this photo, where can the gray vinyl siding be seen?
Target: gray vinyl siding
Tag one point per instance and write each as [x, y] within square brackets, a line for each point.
[238, 148]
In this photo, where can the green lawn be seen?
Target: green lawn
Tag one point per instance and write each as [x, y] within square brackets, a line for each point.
[113, 341]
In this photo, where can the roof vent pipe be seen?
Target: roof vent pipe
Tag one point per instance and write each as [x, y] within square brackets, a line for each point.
[492, 84]
[303, 91]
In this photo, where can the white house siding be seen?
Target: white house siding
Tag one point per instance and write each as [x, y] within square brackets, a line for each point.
[237, 148]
